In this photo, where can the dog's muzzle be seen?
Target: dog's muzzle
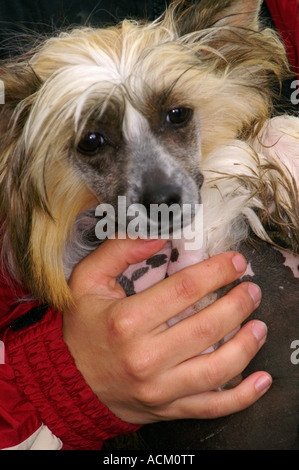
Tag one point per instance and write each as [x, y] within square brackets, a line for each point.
[163, 205]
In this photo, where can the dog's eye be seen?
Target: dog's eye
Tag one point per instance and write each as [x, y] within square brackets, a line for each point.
[91, 143]
[178, 115]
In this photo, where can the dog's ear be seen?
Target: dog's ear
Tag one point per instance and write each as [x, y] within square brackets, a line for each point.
[19, 83]
[191, 16]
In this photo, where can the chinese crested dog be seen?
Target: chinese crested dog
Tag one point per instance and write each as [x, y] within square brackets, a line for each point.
[176, 111]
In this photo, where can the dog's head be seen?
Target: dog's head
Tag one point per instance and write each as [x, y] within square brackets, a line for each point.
[130, 110]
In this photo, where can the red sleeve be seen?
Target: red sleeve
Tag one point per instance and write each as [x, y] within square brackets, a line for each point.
[285, 15]
[41, 388]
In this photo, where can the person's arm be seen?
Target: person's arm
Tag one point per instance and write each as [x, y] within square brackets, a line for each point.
[71, 381]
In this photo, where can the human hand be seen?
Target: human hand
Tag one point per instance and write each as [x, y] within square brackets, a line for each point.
[144, 371]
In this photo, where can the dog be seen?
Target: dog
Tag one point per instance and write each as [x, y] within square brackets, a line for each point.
[176, 111]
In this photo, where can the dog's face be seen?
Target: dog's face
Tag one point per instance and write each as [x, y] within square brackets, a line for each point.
[147, 151]
[130, 110]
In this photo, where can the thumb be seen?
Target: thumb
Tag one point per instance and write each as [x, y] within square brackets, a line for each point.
[111, 259]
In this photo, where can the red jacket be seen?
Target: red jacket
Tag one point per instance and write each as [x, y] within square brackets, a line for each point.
[285, 15]
[44, 401]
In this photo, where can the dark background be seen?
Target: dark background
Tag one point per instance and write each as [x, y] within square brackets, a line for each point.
[44, 16]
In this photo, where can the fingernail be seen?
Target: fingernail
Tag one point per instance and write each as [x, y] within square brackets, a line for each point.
[240, 263]
[263, 384]
[259, 330]
[255, 293]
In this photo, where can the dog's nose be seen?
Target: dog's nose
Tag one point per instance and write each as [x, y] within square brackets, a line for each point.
[168, 194]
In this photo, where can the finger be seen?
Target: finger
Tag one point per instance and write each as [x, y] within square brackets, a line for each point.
[110, 260]
[210, 371]
[209, 326]
[210, 405]
[173, 295]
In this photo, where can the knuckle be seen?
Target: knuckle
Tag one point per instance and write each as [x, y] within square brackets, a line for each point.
[140, 365]
[241, 398]
[213, 376]
[185, 286]
[150, 396]
[120, 325]
[220, 268]
[250, 340]
[250, 347]
[214, 409]
[243, 301]
[236, 399]
[207, 328]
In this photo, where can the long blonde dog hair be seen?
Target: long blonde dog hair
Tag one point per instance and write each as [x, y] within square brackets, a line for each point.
[216, 54]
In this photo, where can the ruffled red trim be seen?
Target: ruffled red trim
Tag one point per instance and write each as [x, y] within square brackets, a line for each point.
[18, 418]
[46, 373]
